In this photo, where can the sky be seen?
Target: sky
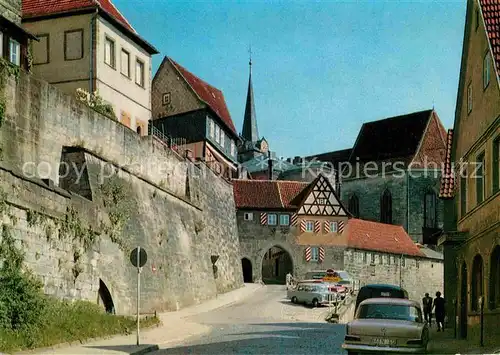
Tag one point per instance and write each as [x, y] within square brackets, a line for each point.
[320, 69]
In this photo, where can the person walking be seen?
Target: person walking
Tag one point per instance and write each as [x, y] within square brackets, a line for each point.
[288, 280]
[439, 311]
[427, 303]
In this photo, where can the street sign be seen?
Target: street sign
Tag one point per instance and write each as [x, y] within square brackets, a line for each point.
[141, 260]
[138, 258]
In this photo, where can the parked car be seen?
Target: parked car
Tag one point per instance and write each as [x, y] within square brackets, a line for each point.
[379, 290]
[314, 294]
[387, 325]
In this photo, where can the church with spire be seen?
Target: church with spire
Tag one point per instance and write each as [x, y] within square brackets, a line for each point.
[251, 144]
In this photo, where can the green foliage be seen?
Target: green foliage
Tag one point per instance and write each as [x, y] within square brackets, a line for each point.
[67, 322]
[96, 102]
[72, 228]
[119, 207]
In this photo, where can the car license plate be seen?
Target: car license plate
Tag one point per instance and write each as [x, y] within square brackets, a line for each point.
[384, 341]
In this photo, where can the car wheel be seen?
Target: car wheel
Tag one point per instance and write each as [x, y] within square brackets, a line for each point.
[294, 299]
[315, 303]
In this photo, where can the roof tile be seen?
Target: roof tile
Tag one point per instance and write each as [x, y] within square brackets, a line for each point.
[447, 188]
[387, 238]
[33, 8]
[211, 95]
[266, 194]
[491, 14]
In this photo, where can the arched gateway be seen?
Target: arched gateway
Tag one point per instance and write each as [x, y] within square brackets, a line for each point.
[276, 264]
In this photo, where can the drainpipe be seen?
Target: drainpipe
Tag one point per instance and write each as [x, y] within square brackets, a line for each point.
[91, 52]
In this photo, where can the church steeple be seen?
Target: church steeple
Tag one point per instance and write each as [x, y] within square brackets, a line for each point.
[250, 132]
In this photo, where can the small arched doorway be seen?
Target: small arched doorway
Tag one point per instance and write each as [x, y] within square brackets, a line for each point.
[463, 302]
[276, 264]
[247, 270]
[105, 298]
[139, 130]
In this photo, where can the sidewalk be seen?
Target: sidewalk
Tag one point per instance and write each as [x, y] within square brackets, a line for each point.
[174, 328]
[445, 343]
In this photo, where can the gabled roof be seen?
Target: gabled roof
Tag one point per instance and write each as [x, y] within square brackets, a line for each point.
[334, 157]
[374, 236]
[391, 138]
[447, 187]
[491, 14]
[266, 194]
[210, 95]
[32, 9]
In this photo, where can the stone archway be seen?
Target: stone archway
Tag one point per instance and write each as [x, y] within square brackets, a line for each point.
[105, 298]
[276, 264]
[246, 264]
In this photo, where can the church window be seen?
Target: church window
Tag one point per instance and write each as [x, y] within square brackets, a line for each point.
[354, 205]
[430, 210]
[386, 207]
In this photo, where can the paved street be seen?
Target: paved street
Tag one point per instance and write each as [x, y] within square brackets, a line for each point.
[265, 323]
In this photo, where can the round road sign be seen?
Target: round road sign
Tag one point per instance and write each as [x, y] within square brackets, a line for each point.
[143, 257]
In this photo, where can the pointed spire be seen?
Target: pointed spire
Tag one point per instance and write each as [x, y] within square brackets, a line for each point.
[250, 131]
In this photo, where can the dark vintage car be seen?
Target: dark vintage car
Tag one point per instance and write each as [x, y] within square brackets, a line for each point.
[379, 290]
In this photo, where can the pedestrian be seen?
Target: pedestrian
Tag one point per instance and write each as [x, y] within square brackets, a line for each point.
[427, 302]
[439, 311]
[288, 280]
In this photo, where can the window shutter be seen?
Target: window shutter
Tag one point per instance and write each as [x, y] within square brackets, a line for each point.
[317, 226]
[340, 227]
[303, 226]
[293, 220]
[263, 218]
[327, 227]
[321, 254]
[308, 254]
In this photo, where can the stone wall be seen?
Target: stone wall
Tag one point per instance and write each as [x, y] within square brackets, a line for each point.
[121, 190]
[417, 275]
[11, 10]
[369, 192]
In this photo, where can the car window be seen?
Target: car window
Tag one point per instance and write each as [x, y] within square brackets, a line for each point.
[300, 288]
[390, 311]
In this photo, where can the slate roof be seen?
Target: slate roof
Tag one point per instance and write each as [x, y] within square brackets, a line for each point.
[32, 8]
[266, 194]
[374, 236]
[334, 157]
[491, 14]
[212, 96]
[447, 187]
[391, 138]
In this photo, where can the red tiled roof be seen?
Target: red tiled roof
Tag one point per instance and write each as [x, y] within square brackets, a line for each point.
[266, 194]
[491, 13]
[447, 178]
[212, 96]
[34, 8]
[380, 237]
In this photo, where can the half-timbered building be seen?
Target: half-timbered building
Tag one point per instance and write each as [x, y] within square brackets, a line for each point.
[292, 226]
[193, 114]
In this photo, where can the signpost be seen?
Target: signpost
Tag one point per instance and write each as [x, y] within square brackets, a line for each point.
[138, 258]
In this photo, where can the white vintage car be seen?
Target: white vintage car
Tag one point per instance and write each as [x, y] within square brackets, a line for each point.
[386, 325]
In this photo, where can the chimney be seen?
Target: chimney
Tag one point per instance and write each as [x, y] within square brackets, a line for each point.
[269, 165]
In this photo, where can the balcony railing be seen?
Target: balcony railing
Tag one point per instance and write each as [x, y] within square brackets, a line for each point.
[178, 145]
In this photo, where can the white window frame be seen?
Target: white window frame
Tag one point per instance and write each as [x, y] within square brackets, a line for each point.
[14, 44]
[232, 148]
[211, 128]
[111, 61]
[333, 227]
[284, 220]
[127, 53]
[270, 220]
[311, 224]
[222, 138]
[217, 133]
[486, 70]
[314, 254]
[142, 78]
[248, 216]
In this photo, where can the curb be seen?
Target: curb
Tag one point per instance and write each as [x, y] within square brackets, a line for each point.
[145, 350]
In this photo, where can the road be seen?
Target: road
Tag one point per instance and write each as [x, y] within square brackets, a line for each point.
[266, 323]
